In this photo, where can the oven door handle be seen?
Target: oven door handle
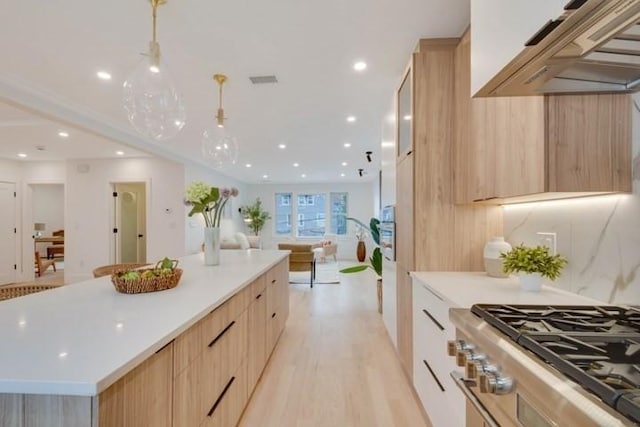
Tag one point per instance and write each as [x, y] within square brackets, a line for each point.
[471, 398]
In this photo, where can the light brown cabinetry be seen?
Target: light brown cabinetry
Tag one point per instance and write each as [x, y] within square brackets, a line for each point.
[539, 147]
[142, 397]
[433, 233]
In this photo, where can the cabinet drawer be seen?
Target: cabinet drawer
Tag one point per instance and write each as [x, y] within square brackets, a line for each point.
[437, 403]
[225, 410]
[198, 385]
[256, 288]
[190, 344]
[434, 308]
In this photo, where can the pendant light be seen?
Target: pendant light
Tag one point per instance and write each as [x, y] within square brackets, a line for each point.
[153, 105]
[219, 148]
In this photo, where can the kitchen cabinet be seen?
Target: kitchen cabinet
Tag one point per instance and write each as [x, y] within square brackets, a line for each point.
[432, 232]
[142, 397]
[541, 147]
[257, 344]
[500, 29]
[431, 365]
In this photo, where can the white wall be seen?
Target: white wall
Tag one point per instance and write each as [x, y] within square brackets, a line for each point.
[194, 226]
[48, 206]
[600, 236]
[89, 206]
[360, 206]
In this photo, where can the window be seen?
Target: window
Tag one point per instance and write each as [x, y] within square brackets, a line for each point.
[283, 214]
[338, 214]
[312, 208]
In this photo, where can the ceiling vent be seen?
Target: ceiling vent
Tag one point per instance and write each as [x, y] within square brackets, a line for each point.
[259, 80]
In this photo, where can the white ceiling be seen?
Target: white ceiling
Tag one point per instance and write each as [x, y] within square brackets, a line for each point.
[52, 50]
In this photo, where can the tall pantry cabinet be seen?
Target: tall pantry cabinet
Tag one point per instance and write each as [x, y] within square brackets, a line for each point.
[433, 233]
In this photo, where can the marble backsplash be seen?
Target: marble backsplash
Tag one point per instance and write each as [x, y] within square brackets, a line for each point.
[600, 236]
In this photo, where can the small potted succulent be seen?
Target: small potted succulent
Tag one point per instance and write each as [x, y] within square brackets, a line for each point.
[532, 264]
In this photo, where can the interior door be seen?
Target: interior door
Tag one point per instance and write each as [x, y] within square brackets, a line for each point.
[7, 233]
[130, 221]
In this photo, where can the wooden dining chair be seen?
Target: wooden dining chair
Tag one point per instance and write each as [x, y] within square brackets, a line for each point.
[42, 265]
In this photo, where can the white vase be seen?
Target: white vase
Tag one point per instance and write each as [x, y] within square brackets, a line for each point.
[212, 245]
[492, 261]
[531, 282]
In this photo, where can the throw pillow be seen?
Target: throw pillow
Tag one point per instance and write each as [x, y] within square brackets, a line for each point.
[242, 239]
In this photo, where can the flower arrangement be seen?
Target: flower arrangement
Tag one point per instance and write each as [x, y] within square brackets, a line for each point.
[533, 260]
[209, 201]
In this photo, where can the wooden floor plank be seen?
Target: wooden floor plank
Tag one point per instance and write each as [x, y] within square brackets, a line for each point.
[334, 365]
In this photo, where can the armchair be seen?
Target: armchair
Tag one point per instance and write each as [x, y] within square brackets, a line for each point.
[328, 247]
[301, 258]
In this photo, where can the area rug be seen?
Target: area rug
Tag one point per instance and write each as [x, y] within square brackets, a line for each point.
[326, 273]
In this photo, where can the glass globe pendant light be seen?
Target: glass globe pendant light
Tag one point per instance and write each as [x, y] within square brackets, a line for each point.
[219, 148]
[153, 105]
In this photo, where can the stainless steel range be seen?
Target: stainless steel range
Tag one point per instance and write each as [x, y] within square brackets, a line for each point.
[548, 366]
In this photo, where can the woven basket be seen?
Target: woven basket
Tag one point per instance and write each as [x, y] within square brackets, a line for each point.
[14, 291]
[152, 284]
[108, 270]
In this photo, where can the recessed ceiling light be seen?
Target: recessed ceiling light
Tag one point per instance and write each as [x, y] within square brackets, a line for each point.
[103, 75]
[344, 163]
[63, 355]
[154, 69]
[304, 175]
[360, 66]
[343, 175]
[22, 155]
[63, 134]
[120, 153]
[248, 165]
[295, 165]
[347, 144]
[351, 119]
[265, 176]
[387, 144]
[407, 117]
[282, 146]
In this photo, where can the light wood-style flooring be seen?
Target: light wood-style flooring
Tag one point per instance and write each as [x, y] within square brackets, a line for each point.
[334, 365]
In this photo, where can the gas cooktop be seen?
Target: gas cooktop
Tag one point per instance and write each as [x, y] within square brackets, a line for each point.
[597, 346]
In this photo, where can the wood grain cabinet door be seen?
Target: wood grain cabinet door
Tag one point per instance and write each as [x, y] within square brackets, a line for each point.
[257, 339]
[143, 397]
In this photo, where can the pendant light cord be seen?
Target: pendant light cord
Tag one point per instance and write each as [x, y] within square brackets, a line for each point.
[154, 8]
[220, 95]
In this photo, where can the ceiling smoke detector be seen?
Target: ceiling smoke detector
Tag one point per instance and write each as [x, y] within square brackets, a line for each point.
[259, 80]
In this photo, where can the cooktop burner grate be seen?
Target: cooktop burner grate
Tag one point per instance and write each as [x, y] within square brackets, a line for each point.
[598, 347]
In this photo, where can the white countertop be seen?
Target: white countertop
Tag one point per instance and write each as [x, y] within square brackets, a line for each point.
[463, 289]
[81, 338]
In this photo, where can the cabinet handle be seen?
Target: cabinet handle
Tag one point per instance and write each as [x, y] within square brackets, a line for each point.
[433, 319]
[224, 331]
[273, 281]
[273, 315]
[164, 346]
[259, 296]
[226, 388]
[433, 374]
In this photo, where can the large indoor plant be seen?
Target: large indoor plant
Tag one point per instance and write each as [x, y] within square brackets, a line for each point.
[254, 216]
[375, 260]
[210, 202]
[533, 263]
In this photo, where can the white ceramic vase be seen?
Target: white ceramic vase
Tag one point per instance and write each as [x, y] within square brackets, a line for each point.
[211, 245]
[492, 261]
[531, 282]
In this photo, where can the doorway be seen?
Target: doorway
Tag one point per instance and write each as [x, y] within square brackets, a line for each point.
[130, 219]
[7, 232]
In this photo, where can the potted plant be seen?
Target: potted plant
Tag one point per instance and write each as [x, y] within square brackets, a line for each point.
[375, 261]
[533, 263]
[254, 216]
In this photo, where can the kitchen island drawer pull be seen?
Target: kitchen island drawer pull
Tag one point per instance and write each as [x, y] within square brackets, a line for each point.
[259, 296]
[226, 388]
[224, 331]
[273, 281]
[433, 319]
[473, 400]
[273, 315]
[433, 374]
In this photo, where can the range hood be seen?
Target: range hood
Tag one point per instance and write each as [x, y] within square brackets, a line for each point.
[593, 47]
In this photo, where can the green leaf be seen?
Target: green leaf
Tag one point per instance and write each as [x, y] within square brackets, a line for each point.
[374, 229]
[376, 261]
[197, 208]
[354, 269]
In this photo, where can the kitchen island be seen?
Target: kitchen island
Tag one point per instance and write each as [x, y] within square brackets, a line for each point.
[85, 355]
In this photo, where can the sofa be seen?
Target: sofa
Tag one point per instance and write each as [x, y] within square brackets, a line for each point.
[241, 241]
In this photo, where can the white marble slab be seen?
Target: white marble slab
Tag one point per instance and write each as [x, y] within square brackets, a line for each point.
[463, 289]
[81, 338]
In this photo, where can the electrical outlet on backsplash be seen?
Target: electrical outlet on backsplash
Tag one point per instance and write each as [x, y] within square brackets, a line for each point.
[548, 239]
